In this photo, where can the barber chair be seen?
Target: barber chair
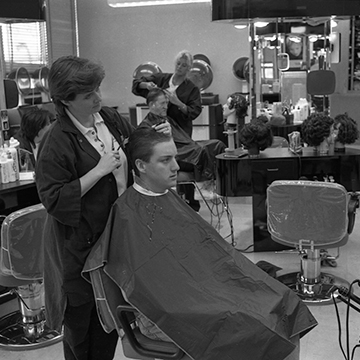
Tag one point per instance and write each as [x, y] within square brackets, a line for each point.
[21, 272]
[216, 204]
[311, 216]
[137, 346]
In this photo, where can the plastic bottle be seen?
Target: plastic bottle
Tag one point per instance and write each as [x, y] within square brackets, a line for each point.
[14, 143]
[4, 169]
[15, 156]
[11, 167]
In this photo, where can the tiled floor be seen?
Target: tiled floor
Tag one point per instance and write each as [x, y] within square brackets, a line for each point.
[321, 343]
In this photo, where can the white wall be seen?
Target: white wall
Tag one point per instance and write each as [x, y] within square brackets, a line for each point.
[123, 38]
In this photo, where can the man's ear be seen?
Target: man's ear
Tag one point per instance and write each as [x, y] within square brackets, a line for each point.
[65, 102]
[141, 165]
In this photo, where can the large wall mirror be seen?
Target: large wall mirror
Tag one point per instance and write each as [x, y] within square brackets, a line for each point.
[283, 55]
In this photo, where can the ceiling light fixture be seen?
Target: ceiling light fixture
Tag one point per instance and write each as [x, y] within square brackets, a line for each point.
[261, 24]
[240, 27]
[313, 38]
[333, 23]
[137, 3]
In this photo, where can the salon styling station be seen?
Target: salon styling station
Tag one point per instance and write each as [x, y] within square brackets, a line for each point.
[17, 195]
[240, 175]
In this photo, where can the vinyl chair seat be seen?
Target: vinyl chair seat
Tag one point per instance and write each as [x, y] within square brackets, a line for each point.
[21, 243]
[311, 216]
[21, 271]
[308, 211]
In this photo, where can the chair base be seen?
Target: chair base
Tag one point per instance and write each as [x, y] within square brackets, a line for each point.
[12, 335]
[319, 293]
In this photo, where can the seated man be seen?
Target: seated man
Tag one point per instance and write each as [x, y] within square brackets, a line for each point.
[178, 272]
[192, 156]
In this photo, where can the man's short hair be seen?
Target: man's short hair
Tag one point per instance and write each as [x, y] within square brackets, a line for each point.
[141, 144]
[154, 94]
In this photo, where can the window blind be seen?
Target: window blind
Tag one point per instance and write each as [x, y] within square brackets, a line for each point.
[24, 45]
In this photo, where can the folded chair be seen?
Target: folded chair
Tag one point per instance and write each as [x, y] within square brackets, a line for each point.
[310, 216]
[21, 271]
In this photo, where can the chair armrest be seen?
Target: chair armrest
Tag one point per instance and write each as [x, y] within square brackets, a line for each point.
[353, 205]
[143, 345]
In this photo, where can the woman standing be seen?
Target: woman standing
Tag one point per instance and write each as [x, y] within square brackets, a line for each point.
[82, 169]
[184, 97]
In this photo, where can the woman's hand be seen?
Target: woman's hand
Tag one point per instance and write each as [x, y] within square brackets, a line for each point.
[173, 98]
[147, 85]
[109, 162]
[164, 127]
[150, 85]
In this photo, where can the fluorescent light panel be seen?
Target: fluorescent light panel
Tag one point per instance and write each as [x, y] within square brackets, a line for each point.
[134, 3]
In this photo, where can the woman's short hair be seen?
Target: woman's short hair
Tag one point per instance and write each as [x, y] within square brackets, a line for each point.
[184, 54]
[32, 122]
[70, 76]
[141, 144]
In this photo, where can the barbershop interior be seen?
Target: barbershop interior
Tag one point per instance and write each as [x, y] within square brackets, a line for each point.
[278, 91]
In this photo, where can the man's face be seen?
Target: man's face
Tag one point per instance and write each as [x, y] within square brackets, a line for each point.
[160, 173]
[159, 106]
[295, 48]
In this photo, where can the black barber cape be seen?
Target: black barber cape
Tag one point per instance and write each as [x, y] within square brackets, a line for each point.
[176, 270]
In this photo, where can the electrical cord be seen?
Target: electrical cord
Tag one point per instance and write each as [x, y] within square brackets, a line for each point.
[339, 326]
[357, 281]
[346, 295]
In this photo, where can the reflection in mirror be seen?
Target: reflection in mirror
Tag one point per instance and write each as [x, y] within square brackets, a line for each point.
[283, 61]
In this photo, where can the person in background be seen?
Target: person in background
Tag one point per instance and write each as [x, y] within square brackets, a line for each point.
[177, 271]
[234, 112]
[81, 170]
[294, 49]
[184, 96]
[197, 157]
[34, 124]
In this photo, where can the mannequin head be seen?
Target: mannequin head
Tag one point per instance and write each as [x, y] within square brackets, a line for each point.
[317, 128]
[236, 104]
[256, 133]
[345, 129]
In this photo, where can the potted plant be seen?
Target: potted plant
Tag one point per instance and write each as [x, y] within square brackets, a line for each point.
[346, 131]
[255, 137]
[317, 131]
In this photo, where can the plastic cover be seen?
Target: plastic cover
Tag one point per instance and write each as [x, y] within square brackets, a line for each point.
[307, 210]
[21, 243]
